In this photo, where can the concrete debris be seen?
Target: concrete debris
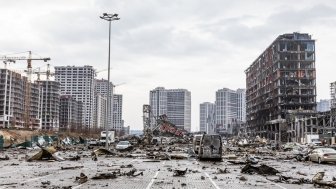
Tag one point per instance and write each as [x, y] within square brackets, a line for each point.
[262, 170]
[301, 173]
[45, 182]
[133, 173]
[153, 161]
[46, 153]
[178, 172]
[221, 171]
[242, 178]
[126, 166]
[4, 158]
[82, 178]
[102, 151]
[74, 167]
[75, 158]
[290, 180]
[318, 181]
[112, 175]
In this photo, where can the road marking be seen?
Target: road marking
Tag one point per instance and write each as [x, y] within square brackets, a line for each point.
[272, 182]
[213, 183]
[152, 181]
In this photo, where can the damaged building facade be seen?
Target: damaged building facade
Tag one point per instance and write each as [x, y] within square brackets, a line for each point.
[281, 84]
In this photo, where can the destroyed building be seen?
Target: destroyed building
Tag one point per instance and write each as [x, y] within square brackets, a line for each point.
[281, 82]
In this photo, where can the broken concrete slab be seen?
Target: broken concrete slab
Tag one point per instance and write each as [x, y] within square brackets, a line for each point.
[4, 158]
[47, 153]
[112, 175]
[318, 180]
[73, 167]
[262, 170]
[102, 151]
[82, 178]
[178, 172]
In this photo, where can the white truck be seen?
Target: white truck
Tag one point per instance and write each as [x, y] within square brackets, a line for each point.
[110, 137]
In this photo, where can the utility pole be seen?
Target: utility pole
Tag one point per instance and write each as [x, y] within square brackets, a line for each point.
[109, 18]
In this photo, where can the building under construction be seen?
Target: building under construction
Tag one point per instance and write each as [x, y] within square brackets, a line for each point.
[281, 83]
[50, 100]
[70, 118]
[19, 101]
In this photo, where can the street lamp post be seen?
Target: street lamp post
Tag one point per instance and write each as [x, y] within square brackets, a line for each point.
[109, 18]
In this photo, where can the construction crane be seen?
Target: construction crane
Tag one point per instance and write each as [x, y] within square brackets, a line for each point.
[48, 73]
[29, 71]
[8, 59]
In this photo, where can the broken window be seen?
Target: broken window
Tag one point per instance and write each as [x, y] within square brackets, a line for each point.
[309, 56]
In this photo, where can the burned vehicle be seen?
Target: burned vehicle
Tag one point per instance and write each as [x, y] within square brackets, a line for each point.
[210, 147]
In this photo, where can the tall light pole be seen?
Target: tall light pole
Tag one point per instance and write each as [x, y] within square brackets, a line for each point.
[109, 18]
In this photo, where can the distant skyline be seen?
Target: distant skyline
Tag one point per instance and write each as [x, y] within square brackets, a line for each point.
[201, 46]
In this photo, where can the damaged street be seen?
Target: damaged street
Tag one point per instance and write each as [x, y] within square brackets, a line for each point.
[160, 166]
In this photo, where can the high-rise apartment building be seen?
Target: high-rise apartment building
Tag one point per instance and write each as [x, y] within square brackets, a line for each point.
[241, 105]
[118, 123]
[207, 117]
[50, 101]
[78, 81]
[226, 110]
[175, 103]
[101, 87]
[99, 115]
[279, 83]
[70, 117]
[323, 105]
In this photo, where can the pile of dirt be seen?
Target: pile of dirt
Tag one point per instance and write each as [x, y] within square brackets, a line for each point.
[17, 136]
[20, 136]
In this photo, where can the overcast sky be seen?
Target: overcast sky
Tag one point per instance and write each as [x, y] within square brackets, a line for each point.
[198, 45]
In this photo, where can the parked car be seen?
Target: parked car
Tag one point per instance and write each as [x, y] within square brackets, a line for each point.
[124, 145]
[321, 155]
[93, 142]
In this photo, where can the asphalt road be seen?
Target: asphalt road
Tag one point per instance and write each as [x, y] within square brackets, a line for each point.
[17, 173]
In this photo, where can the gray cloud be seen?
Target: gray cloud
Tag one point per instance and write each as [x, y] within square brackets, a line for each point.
[195, 44]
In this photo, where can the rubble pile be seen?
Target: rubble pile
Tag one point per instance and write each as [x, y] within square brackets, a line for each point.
[241, 158]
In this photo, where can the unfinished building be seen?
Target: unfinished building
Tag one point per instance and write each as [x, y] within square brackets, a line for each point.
[50, 100]
[19, 101]
[70, 113]
[281, 83]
